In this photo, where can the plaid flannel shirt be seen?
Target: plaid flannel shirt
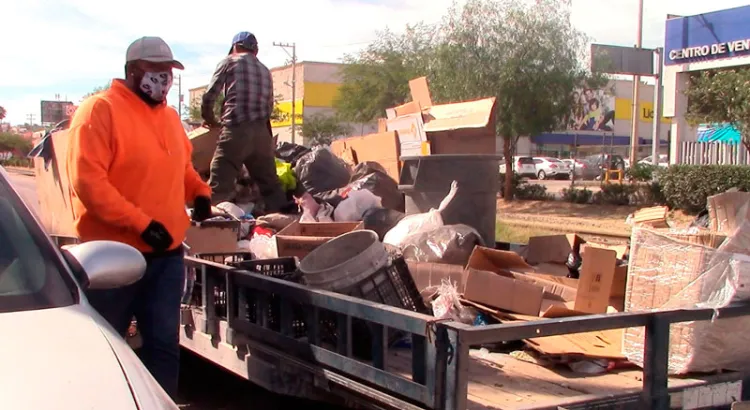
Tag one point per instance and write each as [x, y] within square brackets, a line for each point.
[248, 90]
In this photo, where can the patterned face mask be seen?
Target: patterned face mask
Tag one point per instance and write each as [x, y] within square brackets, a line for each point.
[156, 85]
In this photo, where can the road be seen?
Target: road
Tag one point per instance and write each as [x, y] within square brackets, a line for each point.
[203, 386]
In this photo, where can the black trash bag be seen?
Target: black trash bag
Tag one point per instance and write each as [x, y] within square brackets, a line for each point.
[372, 177]
[701, 220]
[381, 220]
[290, 153]
[451, 244]
[320, 171]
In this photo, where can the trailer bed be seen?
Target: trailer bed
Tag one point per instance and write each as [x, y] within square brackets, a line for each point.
[500, 381]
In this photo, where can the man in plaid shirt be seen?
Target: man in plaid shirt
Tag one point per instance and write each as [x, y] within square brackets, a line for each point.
[245, 123]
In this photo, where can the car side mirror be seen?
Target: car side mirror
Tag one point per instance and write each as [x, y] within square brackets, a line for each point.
[105, 264]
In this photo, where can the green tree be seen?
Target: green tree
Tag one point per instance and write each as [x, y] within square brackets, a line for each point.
[378, 77]
[323, 129]
[3, 113]
[13, 142]
[528, 56]
[721, 96]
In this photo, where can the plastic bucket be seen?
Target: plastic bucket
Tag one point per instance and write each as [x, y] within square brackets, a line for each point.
[344, 261]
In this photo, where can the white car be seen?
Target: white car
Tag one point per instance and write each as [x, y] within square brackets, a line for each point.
[547, 167]
[523, 166]
[649, 160]
[56, 351]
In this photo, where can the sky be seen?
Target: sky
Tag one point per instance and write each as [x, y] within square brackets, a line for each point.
[69, 47]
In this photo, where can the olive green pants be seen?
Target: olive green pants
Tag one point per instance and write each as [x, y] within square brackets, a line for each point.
[249, 144]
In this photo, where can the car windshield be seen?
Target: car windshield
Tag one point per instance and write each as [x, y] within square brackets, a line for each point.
[30, 277]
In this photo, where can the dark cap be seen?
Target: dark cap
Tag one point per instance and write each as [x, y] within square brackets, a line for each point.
[245, 39]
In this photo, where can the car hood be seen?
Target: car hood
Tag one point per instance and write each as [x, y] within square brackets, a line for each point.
[59, 358]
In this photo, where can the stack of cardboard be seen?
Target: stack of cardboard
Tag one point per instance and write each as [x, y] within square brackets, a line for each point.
[683, 269]
[421, 127]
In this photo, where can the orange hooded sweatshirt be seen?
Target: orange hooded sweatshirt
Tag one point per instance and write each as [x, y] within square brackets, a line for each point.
[129, 163]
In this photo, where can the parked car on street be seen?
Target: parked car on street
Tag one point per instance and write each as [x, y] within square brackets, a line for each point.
[57, 352]
[649, 160]
[551, 168]
[582, 169]
[523, 166]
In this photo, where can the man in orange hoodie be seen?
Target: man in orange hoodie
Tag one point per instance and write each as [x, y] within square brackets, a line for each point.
[130, 169]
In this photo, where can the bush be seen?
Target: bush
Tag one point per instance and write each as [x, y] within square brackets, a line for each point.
[577, 196]
[642, 172]
[648, 194]
[688, 187]
[532, 192]
[17, 162]
[614, 194]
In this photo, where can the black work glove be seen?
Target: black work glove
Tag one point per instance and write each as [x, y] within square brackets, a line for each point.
[157, 236]
[201, 208]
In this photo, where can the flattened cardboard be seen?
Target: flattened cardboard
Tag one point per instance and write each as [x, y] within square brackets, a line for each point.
[429, 276]
[723, 211]
[595, 282]
[655, 217]
[299, 239]
[501, 292]
[382, 148]
[551, 248]
[213, 237]
[53, 189]
[204, 144]
[494, 260]
[420, 92]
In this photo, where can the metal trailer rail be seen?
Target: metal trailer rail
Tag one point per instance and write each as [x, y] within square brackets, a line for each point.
[440, 350]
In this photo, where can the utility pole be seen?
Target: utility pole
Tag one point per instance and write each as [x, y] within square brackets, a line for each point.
[30, 119]
[179, 95]
[636, 91]
[656, 132]
[293, 56]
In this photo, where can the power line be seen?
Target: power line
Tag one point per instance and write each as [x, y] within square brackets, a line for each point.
[30, 118]
[293, 56]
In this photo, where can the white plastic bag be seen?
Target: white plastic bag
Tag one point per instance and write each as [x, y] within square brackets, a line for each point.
[353, 208]
[264, 247]
[325, 213]
[412, 225]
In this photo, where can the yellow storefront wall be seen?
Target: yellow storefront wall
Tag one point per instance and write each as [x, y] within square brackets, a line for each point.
[286, 108]
[624, 108]
[321, 94]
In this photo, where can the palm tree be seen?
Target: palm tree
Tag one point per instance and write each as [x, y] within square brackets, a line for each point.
[2, 113]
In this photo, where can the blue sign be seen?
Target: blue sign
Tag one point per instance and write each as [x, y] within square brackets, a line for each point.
[705, 37]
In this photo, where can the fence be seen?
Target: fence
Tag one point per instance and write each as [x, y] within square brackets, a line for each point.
[713, 153]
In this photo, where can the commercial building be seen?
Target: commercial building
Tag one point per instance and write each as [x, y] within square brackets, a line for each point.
[316, 88]
[719, 39]
[601, 121]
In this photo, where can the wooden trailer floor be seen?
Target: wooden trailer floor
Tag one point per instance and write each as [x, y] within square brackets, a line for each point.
[499, 381]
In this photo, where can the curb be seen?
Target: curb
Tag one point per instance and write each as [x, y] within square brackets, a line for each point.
[556, 228]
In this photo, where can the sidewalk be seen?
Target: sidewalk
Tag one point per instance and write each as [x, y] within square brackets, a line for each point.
[20, 171]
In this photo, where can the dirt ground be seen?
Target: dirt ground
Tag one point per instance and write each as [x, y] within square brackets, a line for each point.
[541, 216]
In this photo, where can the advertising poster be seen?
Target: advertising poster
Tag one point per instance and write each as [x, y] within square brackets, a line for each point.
[593, 110]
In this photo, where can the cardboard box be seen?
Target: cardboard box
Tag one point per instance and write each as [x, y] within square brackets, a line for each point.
[600, 278]
[723, 211]
[551, 248]
[213, 237]
[429, 276]
[456, 128]
[204, 144]
[382, 148]
[655, 217]
[299, 239]
[53, 189]
[491, 289]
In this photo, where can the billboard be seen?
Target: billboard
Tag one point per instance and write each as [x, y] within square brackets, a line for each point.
[56, 111]
[593, 110]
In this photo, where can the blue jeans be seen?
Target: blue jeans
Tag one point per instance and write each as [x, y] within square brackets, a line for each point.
[155, 302]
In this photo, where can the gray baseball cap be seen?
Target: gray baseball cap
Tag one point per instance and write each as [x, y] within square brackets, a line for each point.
[152, 49]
